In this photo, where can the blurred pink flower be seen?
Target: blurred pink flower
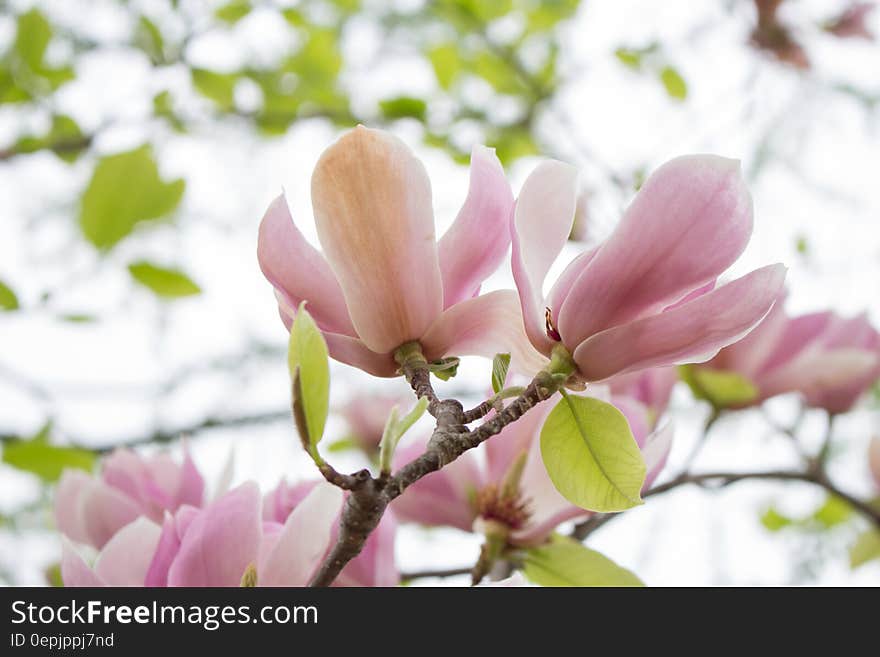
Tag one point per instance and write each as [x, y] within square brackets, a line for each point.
[366, 415]
[214, 546]
[852, 23]
[645, 297]
[374, 566]
[383, 279]
[830, 360]
[92, 510]
[466, 492]
[652, 387]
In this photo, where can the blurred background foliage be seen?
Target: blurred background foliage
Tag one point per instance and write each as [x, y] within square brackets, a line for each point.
[493, 71]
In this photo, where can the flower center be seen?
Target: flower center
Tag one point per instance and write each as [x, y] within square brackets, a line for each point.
[494, 503]
[552, 333]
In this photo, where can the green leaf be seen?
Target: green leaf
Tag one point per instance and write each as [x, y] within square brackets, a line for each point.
[445, 368]
[32, 38]
[774, 521]
[721, 388]
[403, 107]
[446, 62]
[865, 549]
[394, 430]
[630, 58]
[675, 85]
[8, 300]
[591, 455]
[500, 365]
[148, 38]
[163, 281]
[310, 373]
[219, 87]
[125, 190]
[234, 11]
[47, 461]
[833, 512]
[568, 563]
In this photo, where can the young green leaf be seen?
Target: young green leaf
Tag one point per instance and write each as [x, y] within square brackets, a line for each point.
[402, 107]
[8, 300]
[866, 548]
[445, 368]
[233, 11]
[164, 282]
[219, 87]
[774, 521]
[675, 85]
[591, 455]
[568, 563]
[125, 190]
[307, 360]
[500, 365]
[395, 428]
[721, 388]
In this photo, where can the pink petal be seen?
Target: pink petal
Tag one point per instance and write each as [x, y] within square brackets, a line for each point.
[220, 542]
[442, 498]
[514, 439]
[372, 202]
[304, 540]
[126, 558]
[298, 269]
[166, 551]
[476, 243]
[375, 565]
[788, 338]
[483, 326]
[652, 387]
[343, 348]
[75, 571]
[692, 332]
[541, 226]
[546, 505]
[655, 452]
[68, 504]
[105, 511]
[569, 275]
[191, 488]
[691, 219]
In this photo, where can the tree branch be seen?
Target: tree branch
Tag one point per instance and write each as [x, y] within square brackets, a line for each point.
[584, 529]
[451, 438]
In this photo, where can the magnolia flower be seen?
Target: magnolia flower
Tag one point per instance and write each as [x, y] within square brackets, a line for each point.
[830, 360]
[652, 387]
[383, 280]
[366, 415]
[852, 23]
[374, 566]
[215, 546]
[92, 509]
[469, 492]
[645, 297]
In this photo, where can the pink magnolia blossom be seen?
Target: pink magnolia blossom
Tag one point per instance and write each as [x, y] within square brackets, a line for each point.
[652, 387]
[366, 415]
[852, 23]
[383, 279]
[214, 546]
[645, 297]
[92, 509]
[374, 566]
[829, 359]
[465, 493]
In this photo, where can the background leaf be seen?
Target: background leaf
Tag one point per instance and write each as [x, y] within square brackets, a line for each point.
[165, 282]
[8, 300]
[125, 190]
[500, 365]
